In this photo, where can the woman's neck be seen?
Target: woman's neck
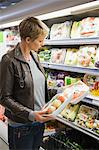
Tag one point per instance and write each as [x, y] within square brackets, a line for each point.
[25, 51]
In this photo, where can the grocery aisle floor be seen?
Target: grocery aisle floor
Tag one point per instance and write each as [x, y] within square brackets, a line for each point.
[3, 145]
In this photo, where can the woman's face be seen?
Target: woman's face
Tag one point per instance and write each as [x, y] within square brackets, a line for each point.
[37, 44]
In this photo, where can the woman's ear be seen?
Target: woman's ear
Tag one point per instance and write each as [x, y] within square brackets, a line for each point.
[27, 39]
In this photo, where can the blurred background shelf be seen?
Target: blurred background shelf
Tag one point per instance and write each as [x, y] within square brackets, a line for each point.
[76, 41]
[92, 71]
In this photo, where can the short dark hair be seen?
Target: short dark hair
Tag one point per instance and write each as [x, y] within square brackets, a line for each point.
[32, 27]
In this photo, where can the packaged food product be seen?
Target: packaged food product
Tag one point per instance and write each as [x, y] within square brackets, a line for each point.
[58, 55]
[70, 80]
[70, 111]
[94, 92]
[97, 58]
[86, 56]
[75, 31]
[96, 126]
[60, 31]
[78, 90]
[71, 56]
[86, 116]
[57, 104]
[44, 55]
[90, 27]
[93, 83]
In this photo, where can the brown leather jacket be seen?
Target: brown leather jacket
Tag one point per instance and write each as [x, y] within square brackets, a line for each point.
[16, 86]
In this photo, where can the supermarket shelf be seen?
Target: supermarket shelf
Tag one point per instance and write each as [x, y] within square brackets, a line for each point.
[88, 99]
[92, 71]
[52, 131]
[91, 101]
[84, 130]
[45, 64]
[4, 131]
[76, 41]
[96, 98]
[49, 133]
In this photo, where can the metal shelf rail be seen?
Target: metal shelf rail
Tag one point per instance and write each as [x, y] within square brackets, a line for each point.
[91, 71]
[75, 126]
[76, 41]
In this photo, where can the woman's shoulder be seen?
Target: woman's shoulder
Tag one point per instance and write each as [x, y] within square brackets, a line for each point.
[8, 56]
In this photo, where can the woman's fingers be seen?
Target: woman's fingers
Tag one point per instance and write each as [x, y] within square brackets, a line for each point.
[44, 111]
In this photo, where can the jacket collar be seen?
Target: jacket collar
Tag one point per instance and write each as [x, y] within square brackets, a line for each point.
[19, 56]
[18, 53]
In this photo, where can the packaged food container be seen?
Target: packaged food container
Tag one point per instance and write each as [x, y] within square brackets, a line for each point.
[57, 104]
[78, 90]
[96, 126]
[86, 116]
[70, 111]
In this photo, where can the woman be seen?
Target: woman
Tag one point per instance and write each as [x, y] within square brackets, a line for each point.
[23, 87]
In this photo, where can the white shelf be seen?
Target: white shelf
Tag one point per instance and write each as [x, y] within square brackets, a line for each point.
[76, 41]
[49, 133]
[84, 130]
[92, 71]
[91, 101]
[96, 98]
[4, 131]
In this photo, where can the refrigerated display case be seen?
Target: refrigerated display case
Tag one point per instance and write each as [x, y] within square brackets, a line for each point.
[89, 100]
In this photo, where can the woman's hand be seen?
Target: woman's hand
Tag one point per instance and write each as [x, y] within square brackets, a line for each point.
[42, 116]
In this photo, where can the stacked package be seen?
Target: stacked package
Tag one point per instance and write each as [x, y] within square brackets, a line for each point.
[87, 55]
[58, 55]
[71, 56]
[87, 27]
[60, 31]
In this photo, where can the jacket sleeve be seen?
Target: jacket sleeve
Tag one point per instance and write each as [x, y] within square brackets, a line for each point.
[6, 89]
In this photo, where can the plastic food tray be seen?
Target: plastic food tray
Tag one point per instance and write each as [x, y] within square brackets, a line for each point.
[78, 87]
[61, 107]
[86, 114]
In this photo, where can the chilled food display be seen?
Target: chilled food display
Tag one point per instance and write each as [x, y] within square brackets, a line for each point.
[71, 56]
[56, 104]
[51, 126]
[87, 55]
[12, 36]
[58, 55]
[97, 58]
[55, 79]
[96, 126]
[60, 31]
[75, 31]
[71, 94]
[93, 83]
[79, 90]
[69, 139]
[70, 111]
[70, 80]
[97, 64]
[86, 116]
[44, 55]
[89, 27]
[95, 90]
